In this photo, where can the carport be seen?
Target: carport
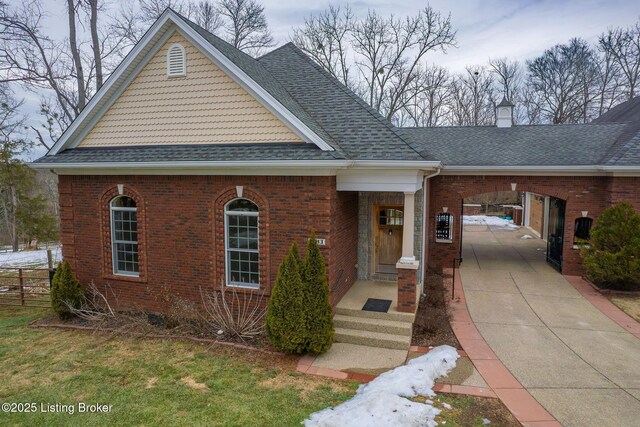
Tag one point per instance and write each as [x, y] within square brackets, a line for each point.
[573, 359]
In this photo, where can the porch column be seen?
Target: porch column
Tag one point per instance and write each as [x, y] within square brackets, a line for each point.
[408, 228]
[407, 265]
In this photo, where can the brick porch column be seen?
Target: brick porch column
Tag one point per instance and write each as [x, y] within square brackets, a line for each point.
[407, 287]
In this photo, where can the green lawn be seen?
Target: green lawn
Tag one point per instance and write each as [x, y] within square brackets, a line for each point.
[151, 382]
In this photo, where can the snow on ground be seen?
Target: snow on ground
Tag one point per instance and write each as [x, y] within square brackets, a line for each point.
[383, 401]
[495, 221]
[29, 258]
[526, 236]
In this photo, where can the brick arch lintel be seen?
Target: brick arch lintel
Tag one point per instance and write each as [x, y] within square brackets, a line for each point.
[108, 194]
[218, 261]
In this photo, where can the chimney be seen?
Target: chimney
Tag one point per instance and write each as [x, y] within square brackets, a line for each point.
[504, 114]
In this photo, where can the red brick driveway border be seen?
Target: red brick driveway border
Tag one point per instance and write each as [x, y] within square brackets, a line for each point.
[506, 387]
[602, 303]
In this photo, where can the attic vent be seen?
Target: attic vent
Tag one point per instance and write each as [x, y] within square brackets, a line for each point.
[176, 61]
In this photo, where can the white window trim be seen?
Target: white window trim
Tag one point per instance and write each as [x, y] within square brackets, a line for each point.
[114, 257]
[184, 61]
[450, 239]
[227, 250]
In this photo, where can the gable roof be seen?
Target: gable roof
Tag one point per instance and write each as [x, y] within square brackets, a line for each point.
[325, 113]
[238, 69]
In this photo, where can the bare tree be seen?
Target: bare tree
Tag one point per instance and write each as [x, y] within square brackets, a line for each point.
[473, 98]
[563, 78]
[206, 15]
[429, 99]
[508, 80]
[325, 38]
[624, 47]
[246, 25]
[610, 82]
[62, 72]
[389, 52]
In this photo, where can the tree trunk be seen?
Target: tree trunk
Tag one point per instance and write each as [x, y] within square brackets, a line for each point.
[75, 54]
[93, 4]
[13, 228]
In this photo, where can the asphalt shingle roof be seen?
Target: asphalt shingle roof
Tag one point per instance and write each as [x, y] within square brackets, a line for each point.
[191, 153]
[542, 145]
[360, 130]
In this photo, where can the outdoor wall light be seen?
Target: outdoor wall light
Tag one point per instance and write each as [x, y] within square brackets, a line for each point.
[513, 186]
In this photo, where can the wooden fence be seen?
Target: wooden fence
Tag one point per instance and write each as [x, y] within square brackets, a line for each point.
[25, 287]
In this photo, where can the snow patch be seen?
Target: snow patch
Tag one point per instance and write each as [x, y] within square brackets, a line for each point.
[446, 405]
[383, 401]
[526, 236]
[495, 221]
[486, 421]
[29, 258]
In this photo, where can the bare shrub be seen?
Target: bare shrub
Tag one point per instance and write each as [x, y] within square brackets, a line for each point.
[179, 311]
[95, 306]
[234, 313]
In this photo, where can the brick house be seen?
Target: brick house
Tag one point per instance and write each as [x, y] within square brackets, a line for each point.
[197, 165]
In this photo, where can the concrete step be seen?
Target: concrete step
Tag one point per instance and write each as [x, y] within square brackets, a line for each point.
[396, 316]
[385, 326]
[372, 339]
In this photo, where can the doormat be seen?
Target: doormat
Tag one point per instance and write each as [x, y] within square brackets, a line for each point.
[379, 305]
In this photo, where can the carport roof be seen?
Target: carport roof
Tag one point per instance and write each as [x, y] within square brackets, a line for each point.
[542, 145]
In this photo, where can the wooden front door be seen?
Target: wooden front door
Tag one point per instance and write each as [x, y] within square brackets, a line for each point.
[387, 238]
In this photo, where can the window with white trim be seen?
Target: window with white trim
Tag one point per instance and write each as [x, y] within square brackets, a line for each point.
[444, 227]
[241, 243]
[176, 61]
[124, 236]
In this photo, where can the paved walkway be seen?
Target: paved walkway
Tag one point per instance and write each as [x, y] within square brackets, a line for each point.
[579, 364]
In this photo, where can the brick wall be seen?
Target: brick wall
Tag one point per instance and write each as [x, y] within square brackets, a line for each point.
[624, 189]
[181, 230]
[407, 290]
[344, 253]
[581, 193]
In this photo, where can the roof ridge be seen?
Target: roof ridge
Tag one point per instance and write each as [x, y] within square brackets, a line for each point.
[374, 113]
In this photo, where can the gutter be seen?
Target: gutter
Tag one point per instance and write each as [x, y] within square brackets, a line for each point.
[334, 164]
[593, 170]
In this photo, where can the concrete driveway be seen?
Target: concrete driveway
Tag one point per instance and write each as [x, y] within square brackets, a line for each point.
[580, 365]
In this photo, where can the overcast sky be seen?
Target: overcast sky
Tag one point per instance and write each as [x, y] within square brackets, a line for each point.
[516, 29]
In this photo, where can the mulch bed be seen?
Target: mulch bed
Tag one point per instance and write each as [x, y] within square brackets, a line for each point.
[156, 326]
[432, 326]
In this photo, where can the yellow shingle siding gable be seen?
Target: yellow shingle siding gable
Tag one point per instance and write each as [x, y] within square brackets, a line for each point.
[205, 107]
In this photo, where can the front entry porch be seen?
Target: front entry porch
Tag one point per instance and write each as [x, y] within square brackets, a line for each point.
[353, 325]
[362, 290]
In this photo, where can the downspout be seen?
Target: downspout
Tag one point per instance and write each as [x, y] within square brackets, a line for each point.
[425, 213]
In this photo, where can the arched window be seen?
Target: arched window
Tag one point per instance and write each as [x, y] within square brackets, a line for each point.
[124, 236]
[176, 61]
[241, 243]
[582, 232]
[444, 227]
